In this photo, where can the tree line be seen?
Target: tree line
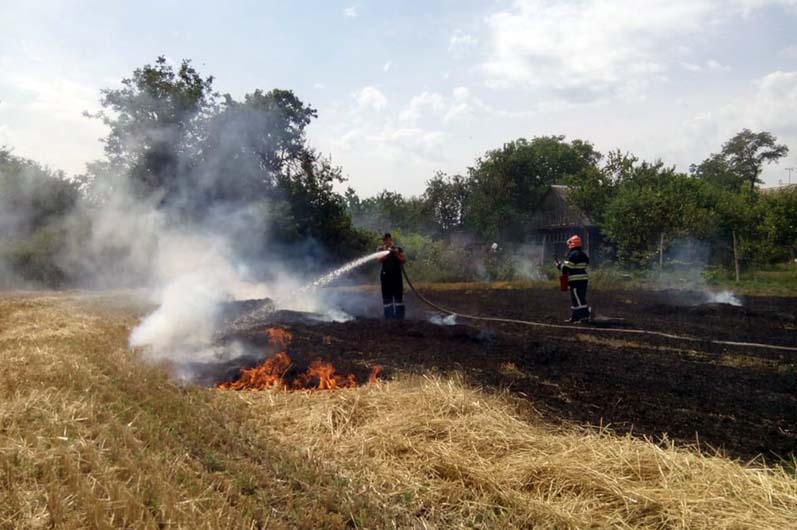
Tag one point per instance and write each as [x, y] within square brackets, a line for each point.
[641, 207]
[197, 157]
[176, 144]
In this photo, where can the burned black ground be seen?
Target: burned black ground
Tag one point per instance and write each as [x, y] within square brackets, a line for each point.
[739, 399]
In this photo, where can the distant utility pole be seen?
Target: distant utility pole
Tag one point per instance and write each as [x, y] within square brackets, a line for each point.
[789, 169]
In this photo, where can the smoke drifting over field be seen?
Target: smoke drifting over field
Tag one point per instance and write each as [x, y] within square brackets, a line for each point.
[198, 203]
[191, 271]
[691, 259]
[204, 200]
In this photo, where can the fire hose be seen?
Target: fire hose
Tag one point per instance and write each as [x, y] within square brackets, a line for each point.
[588, 329]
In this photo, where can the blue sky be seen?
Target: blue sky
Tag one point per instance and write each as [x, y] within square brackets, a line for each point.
[404, 89]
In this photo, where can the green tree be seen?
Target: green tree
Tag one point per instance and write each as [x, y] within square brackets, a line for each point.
[156, 123]
[391, 211]
[507, 184]
[593, 188]
[317, 211]
[177, 140]
[251, 146]
[35, 203]
[738, 217]
[777, 229]
[654, 205]
[445, 198]
[718, 171]
[31, 195]
[741, 160]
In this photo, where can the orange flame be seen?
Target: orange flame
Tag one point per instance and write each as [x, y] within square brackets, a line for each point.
[374, 377]
[279, 338]
[325, 374]
[320, 375]
[267, 375]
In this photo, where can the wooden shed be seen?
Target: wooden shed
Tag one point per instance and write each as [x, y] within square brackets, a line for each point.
[556, 220]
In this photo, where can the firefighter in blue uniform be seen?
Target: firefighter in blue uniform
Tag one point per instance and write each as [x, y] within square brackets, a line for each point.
[575, 268]
[391, 279]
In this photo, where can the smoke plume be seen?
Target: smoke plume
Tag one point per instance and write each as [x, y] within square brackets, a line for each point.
[689, 260]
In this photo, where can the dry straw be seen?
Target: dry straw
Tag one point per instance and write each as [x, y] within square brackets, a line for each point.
[449, 456]
[90, 437]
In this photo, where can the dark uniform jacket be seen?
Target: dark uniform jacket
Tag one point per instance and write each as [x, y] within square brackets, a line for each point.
[391, 267]
[575, 266]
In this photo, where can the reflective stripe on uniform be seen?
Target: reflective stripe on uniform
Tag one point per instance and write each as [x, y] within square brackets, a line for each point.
[575, 277]
[575, 265]
[578, 298]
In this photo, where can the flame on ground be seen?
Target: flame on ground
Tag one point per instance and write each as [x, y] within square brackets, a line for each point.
[272, 372]
[279, 338]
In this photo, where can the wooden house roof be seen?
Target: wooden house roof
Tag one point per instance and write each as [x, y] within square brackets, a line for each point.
[556, 211]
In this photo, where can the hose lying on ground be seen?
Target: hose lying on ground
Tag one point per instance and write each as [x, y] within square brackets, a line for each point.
[632, 331]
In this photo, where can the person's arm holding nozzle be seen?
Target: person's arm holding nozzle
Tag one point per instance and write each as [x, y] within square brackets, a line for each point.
[399, 252]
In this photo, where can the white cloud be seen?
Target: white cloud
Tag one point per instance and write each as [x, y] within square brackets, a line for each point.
[595, 49]
[371, 98]
[394, 143]
[775, 103]
[351, 12]
[460, 104]
[386, 66]
[45, 120]
[434, 108]
[62, 99]
[460, 40]
[716, 66]
[422, 104]
[389, 146]
[710, 64]
[424, 144]
[748, 6]
[769, 106]
[463, 104]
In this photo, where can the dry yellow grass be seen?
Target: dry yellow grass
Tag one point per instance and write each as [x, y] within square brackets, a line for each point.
[92, 438]
[460, 458]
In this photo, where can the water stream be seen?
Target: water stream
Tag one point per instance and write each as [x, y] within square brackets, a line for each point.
[260, 312]
[340, 271]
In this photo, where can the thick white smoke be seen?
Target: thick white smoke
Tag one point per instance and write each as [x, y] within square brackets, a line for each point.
[194, 275]
[193, 278]
[184, 206]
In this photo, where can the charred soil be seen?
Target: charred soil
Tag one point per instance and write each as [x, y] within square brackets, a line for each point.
[742, 400]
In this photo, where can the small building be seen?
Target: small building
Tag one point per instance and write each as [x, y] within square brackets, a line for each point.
[556, 220]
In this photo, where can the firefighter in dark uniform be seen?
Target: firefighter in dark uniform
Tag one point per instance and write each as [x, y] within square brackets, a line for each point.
[391, 279]
[575, 268]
